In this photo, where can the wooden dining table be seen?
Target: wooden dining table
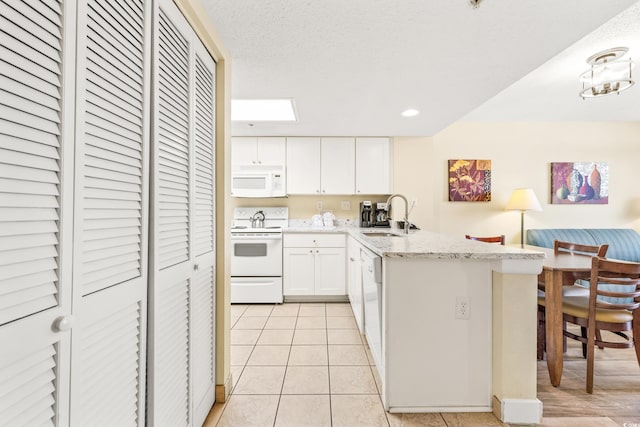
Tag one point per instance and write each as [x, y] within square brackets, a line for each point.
[553, 268]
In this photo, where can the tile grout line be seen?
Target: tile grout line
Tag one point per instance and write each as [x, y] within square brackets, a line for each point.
[286, 368]
[326, 332]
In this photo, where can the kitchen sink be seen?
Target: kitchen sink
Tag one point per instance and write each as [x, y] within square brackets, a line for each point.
[380, 234]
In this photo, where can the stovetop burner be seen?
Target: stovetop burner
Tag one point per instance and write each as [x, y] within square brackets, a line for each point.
[274, 219]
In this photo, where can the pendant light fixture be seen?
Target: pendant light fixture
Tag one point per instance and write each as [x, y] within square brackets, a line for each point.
[608, 73]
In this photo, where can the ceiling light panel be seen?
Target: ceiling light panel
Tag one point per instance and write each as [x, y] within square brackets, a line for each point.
[263, 110]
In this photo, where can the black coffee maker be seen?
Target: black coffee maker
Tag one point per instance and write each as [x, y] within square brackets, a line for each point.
[366, 214]
[380, 215]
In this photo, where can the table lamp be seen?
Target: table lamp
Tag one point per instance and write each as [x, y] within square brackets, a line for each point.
[523, 199]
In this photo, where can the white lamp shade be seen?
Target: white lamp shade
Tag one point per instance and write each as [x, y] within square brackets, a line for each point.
[523, 199]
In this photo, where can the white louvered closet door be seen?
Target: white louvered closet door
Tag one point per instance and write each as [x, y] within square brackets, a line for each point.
[203, 235]
[36, 208]
[111, 213]
[181, 365]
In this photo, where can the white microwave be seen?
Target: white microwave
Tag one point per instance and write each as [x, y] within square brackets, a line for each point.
[258, 181]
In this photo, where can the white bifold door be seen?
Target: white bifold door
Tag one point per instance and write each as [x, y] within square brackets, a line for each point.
[74, 150]
[181, 363]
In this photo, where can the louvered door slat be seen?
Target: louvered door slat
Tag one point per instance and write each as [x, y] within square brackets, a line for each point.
[49, 9]
[28, 147]
[24, 255]
[23, 29]
[110, 358]
[202, 332]
[172, 403]
[32, 214]
[28, 387]
[29, 159]
[204, 185]
[13, 129]
[174, 167]
[44, 278]
[31, 18]
[106, 233]
[25, 229]
[98, 172]
[27, 106]
[43, 84]
[113, 114]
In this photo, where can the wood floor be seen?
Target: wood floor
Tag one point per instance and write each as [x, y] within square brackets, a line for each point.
[616, 387]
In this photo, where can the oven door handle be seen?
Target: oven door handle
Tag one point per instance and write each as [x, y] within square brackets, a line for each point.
[259, 238]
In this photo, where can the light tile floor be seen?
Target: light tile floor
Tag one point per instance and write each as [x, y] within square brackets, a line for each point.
[307, 365]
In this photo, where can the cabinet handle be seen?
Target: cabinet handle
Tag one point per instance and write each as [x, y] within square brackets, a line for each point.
[324, 191]
[196, 267]
[352, 259]
[317, 251]
[259, 162]
[311, 251]
[62, 323]
[317, 191]
[253, 161]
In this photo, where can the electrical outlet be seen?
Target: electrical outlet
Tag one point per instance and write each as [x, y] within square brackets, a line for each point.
[345, 205]
[463, 308]
[319, 206]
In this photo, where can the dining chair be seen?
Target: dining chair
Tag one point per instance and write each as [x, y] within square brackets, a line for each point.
[623, 285]
[575, 283]
[491, 239]
[570, 286]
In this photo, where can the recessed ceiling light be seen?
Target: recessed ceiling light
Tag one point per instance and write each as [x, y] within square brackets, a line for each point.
[262, 110]
[410, 112]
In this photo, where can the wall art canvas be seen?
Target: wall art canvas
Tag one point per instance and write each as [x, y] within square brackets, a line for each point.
[469, 180]
[579, 183]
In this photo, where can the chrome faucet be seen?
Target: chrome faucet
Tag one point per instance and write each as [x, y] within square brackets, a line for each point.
[406, 210]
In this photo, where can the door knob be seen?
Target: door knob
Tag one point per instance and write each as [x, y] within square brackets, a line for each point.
[62, 324]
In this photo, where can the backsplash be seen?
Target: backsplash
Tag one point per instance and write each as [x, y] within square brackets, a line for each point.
[304, 207]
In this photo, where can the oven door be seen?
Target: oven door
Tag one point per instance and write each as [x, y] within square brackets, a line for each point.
[256, 256]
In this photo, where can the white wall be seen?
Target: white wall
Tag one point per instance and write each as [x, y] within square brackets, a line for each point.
[520, 154]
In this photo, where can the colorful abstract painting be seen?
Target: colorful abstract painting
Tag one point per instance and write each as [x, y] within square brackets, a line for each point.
[469, 180]
[579, 183]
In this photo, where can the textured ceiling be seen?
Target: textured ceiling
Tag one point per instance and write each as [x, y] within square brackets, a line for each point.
[353, 66]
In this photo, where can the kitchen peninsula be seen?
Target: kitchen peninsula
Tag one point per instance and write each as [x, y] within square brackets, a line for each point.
[458, 325]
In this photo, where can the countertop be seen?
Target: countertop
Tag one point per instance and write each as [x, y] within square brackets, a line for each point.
[422, 244]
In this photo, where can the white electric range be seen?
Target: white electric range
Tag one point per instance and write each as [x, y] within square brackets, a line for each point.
[256, 255]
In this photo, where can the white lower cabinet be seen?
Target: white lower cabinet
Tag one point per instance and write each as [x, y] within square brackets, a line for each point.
[314, 264]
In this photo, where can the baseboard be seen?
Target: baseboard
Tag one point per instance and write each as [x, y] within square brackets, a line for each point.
[316, 298]
[223, 390]
[518, 411]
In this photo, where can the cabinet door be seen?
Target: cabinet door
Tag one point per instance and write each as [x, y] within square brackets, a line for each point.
[337, 166]
[244, 150]
[303, 165]
[298, 271]
[271, 151]
[37, 76]
[373, 166]
[111, 213]
[330, 276]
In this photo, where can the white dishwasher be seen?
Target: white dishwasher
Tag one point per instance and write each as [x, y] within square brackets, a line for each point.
[372, 295]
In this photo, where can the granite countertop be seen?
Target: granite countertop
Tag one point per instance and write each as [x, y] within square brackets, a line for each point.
[420, 243]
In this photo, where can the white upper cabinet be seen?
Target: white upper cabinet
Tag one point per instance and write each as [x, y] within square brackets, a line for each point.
[303, 165]
[337, 165]
[373, 166]
[258, 151]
